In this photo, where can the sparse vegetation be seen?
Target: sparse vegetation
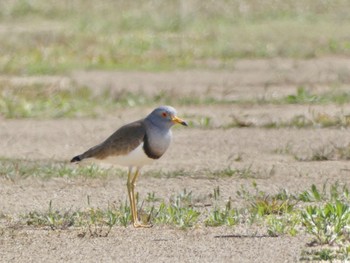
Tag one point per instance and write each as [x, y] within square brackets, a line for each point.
[322, 153]
[326, 220]
[245, 172]
[13, 169]
[62, 36]
[304, 96]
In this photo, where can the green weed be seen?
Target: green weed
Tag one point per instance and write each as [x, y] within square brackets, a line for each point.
[152, 198]
[179, 212]
[52, 218]
[285, 224]
[313, 195]
[218, 217]
[269, 205]
[328, 224]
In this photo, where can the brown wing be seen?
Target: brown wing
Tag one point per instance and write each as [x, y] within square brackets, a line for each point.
[124, 140]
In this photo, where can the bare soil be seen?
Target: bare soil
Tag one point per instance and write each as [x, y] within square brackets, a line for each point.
[194, 150]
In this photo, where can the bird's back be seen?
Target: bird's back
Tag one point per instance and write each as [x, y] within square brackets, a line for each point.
[121, 142]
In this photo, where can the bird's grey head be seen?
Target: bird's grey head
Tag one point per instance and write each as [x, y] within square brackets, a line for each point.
[165, 117]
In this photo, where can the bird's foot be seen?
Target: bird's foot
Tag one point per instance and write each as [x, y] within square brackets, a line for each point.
[137, 224]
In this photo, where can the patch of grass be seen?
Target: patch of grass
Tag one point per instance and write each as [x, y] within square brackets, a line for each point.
[152, 198]
[325, 254]
[280, 225]
[22, 169]
[278, 212]
[319, 120]
[176, 214]
[304, 96]
[52, 218]
[298, 121]
[167, 174]
[326, 153]
[328, 224]
[38, 100]
[204, 122]
[245, 172]
[266, 205]
[313, 195]
[322, 153]
[219, 217]
[94, 222]
[51, 99]
[328, 193]
[14, 168]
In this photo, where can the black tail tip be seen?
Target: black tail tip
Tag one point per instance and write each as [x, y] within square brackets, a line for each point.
[76, 159]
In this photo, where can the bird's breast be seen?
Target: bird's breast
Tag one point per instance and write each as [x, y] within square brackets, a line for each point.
[156, 143]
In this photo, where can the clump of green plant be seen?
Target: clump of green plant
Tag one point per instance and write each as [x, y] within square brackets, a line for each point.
[285, 224]
[266, 205]
[329, 223]
[277, 212]
[204, 122]
[302, 96]
[313, 195]
[218, 217]
[333, 192]
[179, 212]
[261, 204]
[51, 218]
[152, 198]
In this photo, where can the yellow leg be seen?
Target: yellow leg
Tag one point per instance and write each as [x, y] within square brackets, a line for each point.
[132, 198]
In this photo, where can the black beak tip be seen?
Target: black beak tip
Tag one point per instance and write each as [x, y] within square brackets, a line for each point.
[184, 123]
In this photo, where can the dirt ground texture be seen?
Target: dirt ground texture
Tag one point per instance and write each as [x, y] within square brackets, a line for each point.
[195, 150]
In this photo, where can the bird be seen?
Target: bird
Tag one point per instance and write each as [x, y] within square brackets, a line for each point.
[135, 145]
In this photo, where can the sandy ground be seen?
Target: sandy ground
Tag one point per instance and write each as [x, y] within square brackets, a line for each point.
[194, 150]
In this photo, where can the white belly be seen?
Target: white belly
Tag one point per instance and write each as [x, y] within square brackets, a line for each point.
[137, 158]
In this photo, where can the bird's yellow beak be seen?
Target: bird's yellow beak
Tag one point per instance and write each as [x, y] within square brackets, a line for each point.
[178, 120]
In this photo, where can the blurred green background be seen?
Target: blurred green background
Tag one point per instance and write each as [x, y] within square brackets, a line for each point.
[55, 37]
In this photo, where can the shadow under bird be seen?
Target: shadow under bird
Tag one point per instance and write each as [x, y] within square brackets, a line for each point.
[136, 144]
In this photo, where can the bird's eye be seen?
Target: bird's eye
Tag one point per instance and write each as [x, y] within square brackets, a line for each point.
[164, 114]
